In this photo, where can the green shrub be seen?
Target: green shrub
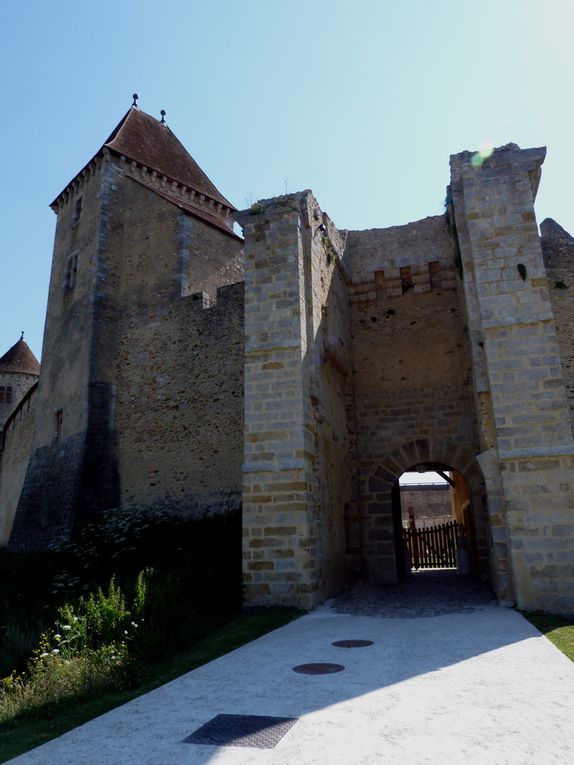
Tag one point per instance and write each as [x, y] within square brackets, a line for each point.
[141, 566]
[98, 619]
[55, 674]
[88, 650]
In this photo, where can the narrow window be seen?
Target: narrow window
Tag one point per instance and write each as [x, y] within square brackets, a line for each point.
[406, 279]
[2, 394]
[77, 211]
[59, 420]
[71, 271]
[5, 394]
[8, 394]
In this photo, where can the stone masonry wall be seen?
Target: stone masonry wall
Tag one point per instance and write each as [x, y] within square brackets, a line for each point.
[412, 365]
[558, 252]
[48, 503]
[15, 450]
[69, 315]
[20, 384]
[430, 505]
[513, 321]
[295, 478]
[180, 407]
[178, 364]
[330, 389]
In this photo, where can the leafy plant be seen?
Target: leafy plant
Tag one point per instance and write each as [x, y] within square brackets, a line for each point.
[139, 567]
[329, 249]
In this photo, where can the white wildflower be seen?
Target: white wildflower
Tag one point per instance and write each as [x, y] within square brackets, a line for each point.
[55, 651]
[66, 627]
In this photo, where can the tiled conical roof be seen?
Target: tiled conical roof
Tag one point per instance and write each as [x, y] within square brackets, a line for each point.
[20, 359]
[142, 138]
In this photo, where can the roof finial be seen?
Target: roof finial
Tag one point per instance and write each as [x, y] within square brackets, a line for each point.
[22, 335]
[162, 116]
[135, 98]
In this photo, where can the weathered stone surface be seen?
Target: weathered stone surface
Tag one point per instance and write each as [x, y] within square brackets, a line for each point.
[304, 375]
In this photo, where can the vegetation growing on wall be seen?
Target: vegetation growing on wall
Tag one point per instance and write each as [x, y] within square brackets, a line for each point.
[329, 249]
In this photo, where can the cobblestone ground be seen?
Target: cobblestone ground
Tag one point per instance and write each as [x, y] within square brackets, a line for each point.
[423, 593]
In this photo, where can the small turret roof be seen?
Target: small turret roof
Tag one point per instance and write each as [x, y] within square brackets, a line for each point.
[142, 138]
[20, 359]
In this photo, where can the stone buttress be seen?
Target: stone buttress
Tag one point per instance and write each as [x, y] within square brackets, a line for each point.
[518, 379]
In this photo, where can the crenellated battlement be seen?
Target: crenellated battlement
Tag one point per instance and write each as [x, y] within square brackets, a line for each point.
[387, 263]
[394, 282]
[225, 296]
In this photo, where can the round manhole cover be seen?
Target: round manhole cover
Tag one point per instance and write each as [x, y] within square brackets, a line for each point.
[322, 668]
[352, 643]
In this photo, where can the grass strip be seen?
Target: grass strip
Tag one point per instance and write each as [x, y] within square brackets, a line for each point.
[35, 728]
[558, 630]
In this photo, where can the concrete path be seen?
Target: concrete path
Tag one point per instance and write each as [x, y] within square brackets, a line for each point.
[474, 684]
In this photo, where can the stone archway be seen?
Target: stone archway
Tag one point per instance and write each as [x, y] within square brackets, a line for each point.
[380, 481]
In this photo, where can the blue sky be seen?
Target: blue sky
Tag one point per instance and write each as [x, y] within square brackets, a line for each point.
[361, 100]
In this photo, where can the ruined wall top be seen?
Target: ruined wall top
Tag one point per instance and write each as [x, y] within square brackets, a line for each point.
[553, 231]
[499, 162]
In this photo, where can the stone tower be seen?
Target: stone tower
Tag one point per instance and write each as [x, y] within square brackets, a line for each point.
[141, 234]
[19, 370]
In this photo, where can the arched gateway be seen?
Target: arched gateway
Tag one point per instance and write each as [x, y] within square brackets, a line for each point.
[382, 543]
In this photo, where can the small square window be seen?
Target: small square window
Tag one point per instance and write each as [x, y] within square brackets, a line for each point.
[5, 394]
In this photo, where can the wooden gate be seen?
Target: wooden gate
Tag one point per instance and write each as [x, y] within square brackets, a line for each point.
[434, 546]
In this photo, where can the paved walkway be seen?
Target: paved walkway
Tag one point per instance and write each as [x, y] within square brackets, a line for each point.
[450, 678]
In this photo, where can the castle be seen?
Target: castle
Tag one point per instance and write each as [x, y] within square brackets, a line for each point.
[299, 371]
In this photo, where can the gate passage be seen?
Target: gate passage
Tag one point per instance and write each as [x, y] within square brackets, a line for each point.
[435, 546]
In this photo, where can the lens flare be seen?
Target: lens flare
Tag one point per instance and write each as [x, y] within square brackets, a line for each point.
[484, 152]
[485, 149]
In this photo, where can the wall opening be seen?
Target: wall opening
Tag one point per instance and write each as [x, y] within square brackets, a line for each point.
[433, 522]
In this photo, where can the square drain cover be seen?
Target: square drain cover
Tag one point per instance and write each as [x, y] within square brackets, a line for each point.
[242, 730]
